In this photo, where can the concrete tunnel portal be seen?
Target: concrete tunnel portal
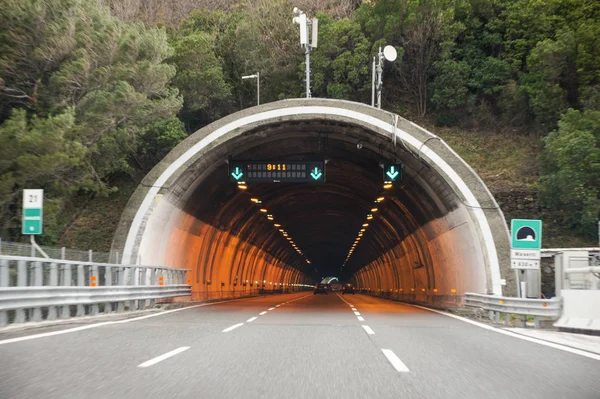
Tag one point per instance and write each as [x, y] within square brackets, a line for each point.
[437, 232]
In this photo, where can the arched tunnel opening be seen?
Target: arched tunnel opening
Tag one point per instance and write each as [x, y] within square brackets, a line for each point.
[435, 233]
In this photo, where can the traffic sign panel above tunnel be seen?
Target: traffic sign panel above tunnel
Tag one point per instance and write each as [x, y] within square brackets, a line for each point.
[392, 172]
[276, 172]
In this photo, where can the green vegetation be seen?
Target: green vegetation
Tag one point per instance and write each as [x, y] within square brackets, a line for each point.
[94, 92]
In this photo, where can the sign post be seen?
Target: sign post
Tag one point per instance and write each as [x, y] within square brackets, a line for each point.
[525, 249]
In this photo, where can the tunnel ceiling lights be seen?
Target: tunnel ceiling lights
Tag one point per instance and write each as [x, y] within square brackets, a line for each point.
[366, 224]
[277, 225]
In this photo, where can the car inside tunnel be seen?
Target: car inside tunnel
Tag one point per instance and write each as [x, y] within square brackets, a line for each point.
[415, 237]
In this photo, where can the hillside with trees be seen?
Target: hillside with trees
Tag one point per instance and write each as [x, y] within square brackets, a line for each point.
[94, 92]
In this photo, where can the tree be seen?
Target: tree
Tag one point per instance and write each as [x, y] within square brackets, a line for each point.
[571, 164]
[341, 62]
[78, 89]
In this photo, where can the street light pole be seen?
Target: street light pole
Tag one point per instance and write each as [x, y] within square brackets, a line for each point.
[257, 77]
[373, 83]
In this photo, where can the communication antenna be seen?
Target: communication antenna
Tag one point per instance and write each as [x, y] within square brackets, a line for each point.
[390, 54]
[308, 27]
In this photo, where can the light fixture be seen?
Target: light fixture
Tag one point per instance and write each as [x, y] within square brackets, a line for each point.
[380, 199]
[374, 210]
[362, 229]
[255, 200]
[365, 224]
[277, 225]
[387, 185]
[270, 217]
[263, 210]
[242, 186]
[369, 217]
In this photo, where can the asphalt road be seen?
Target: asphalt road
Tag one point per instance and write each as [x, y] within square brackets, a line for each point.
[309, 346]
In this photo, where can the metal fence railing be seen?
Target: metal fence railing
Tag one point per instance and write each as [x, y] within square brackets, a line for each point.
[497, 305]
[9, 248]
[437, 300]
[36, 289]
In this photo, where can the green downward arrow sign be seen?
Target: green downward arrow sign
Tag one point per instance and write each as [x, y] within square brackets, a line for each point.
[316, 174]
[392, 173]
[237, 175]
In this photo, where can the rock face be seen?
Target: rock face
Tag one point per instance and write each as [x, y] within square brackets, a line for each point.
[524, 204]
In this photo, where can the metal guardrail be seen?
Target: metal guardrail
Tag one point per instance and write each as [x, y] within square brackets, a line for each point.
[36, 289]
[518, 306]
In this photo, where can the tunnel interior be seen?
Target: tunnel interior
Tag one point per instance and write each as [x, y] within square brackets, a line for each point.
[418, 237]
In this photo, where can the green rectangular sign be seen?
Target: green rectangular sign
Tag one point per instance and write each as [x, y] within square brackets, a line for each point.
[284, 171]
[526, 234]
[392, 172]
[33, 212]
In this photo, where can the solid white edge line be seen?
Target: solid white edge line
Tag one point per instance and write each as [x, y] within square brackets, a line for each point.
[360, 318]
[250, 320]
[277, 306]
[515, 335]
[271, 308]
[233, 327]
[262, 313]
[368, 329]
[163, 357]
[395, 360]
[107, 323]
[357, 313]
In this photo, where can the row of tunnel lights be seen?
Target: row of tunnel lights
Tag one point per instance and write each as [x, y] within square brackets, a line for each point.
[270, 217]
[386, 186]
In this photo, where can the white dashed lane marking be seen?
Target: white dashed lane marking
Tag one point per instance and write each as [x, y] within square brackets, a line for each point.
[233, 327]
[368, 329]
[163, 357]
[395, 360]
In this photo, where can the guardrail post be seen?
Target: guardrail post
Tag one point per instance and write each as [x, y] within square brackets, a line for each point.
[133, 305]
[524, 321]
[80, 283]
[52, 313]
[21, 282]
[507, 319]
[536, 321]
[66, 282]
[108, 283]
[142, 302]
[37, 281]
[121, 282]
[94, 283]
[152, 282]
[3, 283]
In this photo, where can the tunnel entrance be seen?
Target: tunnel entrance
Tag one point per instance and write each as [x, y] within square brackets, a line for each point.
[436, 232]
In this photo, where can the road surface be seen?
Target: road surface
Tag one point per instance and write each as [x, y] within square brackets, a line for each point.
[292, 346]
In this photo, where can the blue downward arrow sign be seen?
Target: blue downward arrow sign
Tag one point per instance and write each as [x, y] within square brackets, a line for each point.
[237, 175]
[316, 174]
[392, 173]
